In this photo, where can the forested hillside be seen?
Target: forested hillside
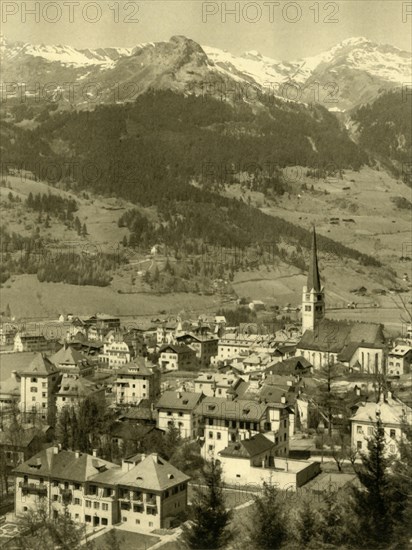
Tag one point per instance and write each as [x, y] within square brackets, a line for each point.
[385, 129]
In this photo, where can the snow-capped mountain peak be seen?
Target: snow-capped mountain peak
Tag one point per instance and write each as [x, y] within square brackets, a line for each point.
[357, 67]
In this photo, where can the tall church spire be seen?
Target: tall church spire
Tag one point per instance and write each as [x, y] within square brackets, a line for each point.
[313, 275]
[313, 298]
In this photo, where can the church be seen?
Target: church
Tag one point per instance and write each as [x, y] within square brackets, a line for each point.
[359, 346]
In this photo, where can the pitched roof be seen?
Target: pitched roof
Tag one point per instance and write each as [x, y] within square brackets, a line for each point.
[40, 365]
[142, 412]
[63, 465]
[136, 367]
[78, 387]
[400, 350]
[176, 348]
[241, 409]
[313, 282]
[217, 378]
[152, 473]
[289, 366]
[248, 448]
[67, 356]
[131, 430]
[11, 386]
[25, 438]
[273, 394]
[179, 400]
[392, 411]
[333, 336]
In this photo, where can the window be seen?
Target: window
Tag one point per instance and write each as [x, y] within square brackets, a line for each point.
[33, 380]
[359, 444]
[55, 483]
[219, 435]
[284, 423]
[88, 519]
[77, 501]
[370, 430]
[77, 486]
[150, 523]
[392, 433]
[308, 308]
[104, 521]
[210, 448]
[391, 448]
[105, 506]
[359, 430]
[210, 435]
[55, 498]
[88, 504]
[138, 521]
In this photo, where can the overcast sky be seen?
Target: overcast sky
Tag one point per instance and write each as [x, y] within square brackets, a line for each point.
[285, 31]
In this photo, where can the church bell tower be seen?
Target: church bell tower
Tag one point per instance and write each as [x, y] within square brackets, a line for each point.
[313, 298]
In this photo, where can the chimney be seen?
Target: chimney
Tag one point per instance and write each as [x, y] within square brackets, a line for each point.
[56, 450]
[179, 395]
[14, 374]
[77, 454]
[283, 399]
[357, 390]
[95, 452]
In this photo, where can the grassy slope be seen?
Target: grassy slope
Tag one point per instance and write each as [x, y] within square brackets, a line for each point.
[380, 229]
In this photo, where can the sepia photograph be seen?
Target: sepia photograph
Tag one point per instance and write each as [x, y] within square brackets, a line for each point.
[206, 275]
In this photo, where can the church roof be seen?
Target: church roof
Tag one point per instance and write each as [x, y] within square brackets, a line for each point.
[342, 337]
[313, 282]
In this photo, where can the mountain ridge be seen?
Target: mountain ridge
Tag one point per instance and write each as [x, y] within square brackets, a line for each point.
[357, 68]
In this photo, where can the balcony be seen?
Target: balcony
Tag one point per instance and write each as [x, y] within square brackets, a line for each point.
[137, 497]
[33, 488]
[151, 501]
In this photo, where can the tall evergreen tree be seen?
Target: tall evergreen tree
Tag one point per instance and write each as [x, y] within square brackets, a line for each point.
[172, 441]
[63, 428]
[270, 522]
[378, 503]
[209, 529]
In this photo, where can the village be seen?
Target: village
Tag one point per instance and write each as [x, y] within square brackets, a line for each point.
[111, 421]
